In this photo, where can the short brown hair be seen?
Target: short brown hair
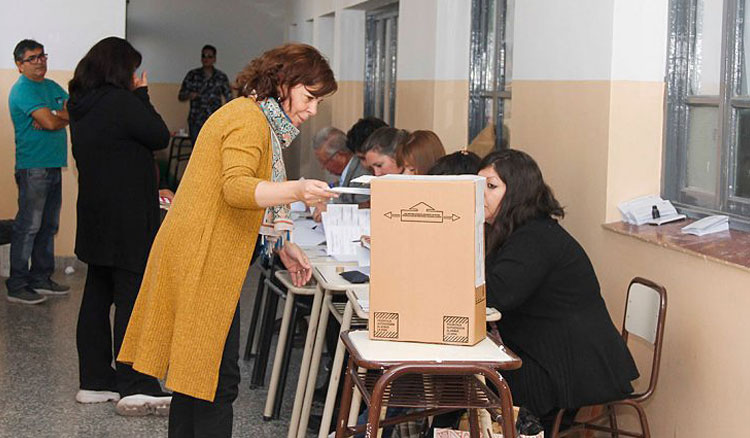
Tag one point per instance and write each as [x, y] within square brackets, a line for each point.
[421, 150]
[283, 68]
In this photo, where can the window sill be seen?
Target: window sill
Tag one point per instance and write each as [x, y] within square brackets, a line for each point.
[731, 248]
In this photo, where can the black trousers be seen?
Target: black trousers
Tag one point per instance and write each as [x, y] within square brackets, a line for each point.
[105, 286]
[190, 417]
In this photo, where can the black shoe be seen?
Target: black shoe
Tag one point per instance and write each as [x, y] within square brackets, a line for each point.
[26, 295]
[50, 287]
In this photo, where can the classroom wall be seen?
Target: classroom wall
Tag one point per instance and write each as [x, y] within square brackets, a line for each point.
[431, 93]
[588, 104]
[170, 34]
[67, 30]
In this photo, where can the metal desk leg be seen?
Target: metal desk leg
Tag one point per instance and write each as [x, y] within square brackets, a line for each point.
[314, 365]
[356, 403]
[333, 384]
[276, 370]
[305, 364]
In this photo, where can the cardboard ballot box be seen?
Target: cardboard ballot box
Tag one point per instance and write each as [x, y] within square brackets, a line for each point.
[427, 259]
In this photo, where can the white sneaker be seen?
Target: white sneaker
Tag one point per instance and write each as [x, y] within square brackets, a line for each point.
[138, 405]
[89, 396]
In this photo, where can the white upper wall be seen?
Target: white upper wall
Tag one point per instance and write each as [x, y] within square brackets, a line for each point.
[452, 40]
[639, 40]
[563, 40]
[66, 29]
[349, 42]
[170, 33]
[417, 28]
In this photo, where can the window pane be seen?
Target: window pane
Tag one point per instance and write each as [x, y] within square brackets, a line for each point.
[706, 71]
[744, 45]
[509, 11]
[742, 169]
[702, 141]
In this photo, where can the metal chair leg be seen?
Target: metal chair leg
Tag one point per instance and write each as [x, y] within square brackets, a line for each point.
[260, 294]
[285, 360]
[264, 346]
[474, 424]
[346, 399]
[613, 421]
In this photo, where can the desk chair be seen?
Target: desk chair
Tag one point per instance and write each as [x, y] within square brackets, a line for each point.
[289, 322]
[180, 149]
[435, 379]
[645, 312]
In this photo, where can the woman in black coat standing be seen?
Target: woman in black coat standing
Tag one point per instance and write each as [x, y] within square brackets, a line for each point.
[542, 281]
[114, 133]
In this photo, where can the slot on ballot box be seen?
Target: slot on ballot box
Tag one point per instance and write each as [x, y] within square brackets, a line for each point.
[427, 259]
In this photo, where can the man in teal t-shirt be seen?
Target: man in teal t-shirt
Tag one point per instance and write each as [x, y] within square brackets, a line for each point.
[39, 114]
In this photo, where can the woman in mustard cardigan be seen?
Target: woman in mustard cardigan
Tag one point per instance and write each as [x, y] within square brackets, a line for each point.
[186, 318]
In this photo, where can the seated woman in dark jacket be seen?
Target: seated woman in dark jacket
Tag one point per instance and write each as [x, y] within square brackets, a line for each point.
[543, 282]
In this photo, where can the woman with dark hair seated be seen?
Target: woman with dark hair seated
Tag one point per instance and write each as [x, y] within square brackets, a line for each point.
[543, 282]
[457, 163]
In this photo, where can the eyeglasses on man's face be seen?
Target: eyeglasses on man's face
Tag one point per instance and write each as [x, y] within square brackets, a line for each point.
[35, 59]
[207, 55]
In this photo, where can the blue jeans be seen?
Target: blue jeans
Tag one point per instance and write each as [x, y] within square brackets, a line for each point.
[37, 221]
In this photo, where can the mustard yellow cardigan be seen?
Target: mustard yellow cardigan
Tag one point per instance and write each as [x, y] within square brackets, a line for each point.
[201, 254]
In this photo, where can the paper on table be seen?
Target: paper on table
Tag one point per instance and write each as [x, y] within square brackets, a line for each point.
[362, 257]
[297, 206]
[307, 233]
[351, 190]
[363, 179]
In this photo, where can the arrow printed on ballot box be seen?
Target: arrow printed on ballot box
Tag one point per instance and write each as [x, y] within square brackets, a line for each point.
[424, 213]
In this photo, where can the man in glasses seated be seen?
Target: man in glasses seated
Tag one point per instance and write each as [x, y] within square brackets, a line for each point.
[207, 88]
[329, 147]
[38, 110]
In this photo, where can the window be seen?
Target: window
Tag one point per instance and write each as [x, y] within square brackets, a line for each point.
[381, 37]
[707, 159]
[491, 59]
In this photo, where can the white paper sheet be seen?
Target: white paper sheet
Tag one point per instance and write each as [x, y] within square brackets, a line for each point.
[343, 225]
[351, 190]
[307, 232]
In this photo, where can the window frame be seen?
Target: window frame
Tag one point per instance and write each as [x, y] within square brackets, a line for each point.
[681, 75]
[499, 93]
[380, 72]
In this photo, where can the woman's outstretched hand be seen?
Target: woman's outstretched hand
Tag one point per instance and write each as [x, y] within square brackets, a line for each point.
[311, 191]
[296, 262]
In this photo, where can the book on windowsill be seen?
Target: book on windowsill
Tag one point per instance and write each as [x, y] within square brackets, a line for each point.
[651, 210]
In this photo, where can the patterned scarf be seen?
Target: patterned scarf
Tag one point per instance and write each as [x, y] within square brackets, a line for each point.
[277, 224]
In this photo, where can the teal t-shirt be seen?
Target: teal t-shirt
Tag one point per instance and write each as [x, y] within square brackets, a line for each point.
[37, 147]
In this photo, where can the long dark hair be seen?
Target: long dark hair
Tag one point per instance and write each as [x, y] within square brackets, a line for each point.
[280, 69]
[112, 61]
[527, 196]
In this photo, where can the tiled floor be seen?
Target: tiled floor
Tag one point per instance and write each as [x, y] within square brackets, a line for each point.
[39, 376]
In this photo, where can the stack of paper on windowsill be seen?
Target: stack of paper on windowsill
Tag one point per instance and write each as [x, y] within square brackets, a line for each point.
[707, 225]
[650, 209]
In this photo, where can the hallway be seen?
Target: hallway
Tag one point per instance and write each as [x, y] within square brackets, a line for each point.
[39, 377]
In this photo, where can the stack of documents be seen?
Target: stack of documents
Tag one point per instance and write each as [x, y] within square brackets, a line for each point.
[650, 209]
[344, 225]
[707, 225]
